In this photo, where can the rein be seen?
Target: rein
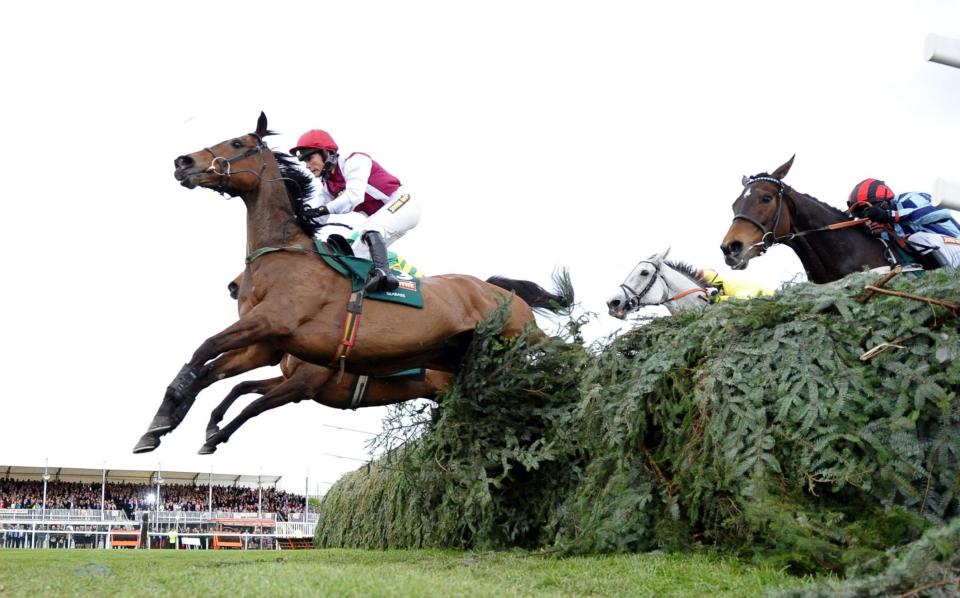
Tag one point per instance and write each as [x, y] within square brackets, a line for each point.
[770, 238]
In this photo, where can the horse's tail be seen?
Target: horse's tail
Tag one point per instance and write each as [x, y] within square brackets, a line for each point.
[538, 297]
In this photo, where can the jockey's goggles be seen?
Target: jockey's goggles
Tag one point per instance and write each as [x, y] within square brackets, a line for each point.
[304, 155]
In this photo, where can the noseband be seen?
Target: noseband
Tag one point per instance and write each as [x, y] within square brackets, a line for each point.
[221, 166]
[769, 237]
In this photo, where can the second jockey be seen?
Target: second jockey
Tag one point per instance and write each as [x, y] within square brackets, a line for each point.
[930, 230]
[356, 183]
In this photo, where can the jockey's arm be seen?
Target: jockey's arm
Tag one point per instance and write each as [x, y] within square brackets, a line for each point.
[356, 172]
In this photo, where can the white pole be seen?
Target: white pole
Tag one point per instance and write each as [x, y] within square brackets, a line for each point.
[942, 50]
[103, 492]
[158, 496]
[46, 476]
[260, 495]
[946, 194]
[210, 494]
[306, 497]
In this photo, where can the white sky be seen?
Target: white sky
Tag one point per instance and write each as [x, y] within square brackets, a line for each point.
[533, 134]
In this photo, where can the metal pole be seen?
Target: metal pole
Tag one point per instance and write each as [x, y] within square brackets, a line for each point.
[158, 497]
[210, 494]
[260, 496]
[46, 476]
[942, 50]
[103, 492]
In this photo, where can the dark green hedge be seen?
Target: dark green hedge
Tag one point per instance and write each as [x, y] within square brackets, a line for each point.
[753, 427]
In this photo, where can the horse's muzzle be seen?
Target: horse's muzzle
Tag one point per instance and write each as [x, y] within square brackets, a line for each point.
[186, 179]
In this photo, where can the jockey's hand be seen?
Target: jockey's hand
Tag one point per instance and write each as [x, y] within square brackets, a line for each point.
[877, 227]
[878, 214]
[314, 213]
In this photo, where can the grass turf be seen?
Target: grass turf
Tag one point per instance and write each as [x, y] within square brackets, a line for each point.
[339, 572]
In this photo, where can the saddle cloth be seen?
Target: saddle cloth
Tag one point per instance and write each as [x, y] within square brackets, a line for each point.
[356, 270]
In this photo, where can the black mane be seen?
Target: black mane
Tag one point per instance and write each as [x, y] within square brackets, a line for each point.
[688, 271]
[300, 186]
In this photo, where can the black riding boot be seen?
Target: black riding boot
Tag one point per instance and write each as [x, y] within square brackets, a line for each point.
[934, 259]
[380, 280]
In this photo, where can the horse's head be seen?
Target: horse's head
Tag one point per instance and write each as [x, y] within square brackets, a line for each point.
[234, 166]
[644, 286]
[759, 217]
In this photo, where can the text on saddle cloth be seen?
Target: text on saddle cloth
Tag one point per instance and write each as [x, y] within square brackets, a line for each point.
[357, 270]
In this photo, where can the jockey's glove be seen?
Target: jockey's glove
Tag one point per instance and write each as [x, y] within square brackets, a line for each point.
[878, 214]
[314, 213]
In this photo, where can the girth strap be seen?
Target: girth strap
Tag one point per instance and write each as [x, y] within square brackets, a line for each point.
[351, 327]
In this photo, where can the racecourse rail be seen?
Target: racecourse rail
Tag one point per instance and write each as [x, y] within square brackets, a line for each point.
[105, 529]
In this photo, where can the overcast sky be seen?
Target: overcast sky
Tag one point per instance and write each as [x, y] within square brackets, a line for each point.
[533, 134]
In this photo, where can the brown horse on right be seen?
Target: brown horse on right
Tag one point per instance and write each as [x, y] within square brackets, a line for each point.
[299, 303]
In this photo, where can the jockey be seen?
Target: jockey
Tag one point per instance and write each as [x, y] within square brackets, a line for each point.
[357, 183]
[731, 288]
[930, 231]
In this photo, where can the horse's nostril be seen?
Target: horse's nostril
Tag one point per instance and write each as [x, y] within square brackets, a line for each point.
[183, 162]
[731, 248]
[613, 303]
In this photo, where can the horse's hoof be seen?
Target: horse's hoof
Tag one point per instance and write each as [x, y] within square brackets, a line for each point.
[211, 432]
[161, 424]
[147, 443]
[207, 449]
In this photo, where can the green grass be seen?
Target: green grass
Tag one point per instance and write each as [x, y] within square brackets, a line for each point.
[338, 572]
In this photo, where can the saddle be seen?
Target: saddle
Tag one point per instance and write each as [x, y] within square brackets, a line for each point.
[336, 252]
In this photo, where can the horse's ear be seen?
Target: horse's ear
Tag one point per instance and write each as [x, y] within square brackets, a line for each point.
[784, 169]
[663, 255]
[745, 180]
[262, 125]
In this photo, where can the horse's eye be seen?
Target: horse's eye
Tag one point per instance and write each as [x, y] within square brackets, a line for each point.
[766, 198]
[644, 273]
[237, 143]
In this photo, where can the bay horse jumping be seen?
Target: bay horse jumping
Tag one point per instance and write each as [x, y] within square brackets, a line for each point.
[769, 212]
[298, 302]
[302, 380]
[657, 281]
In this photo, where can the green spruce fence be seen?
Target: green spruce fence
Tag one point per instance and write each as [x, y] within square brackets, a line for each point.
[754, 427]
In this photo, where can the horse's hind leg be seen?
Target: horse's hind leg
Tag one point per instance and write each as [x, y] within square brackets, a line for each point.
[289, 391]
[261, 387]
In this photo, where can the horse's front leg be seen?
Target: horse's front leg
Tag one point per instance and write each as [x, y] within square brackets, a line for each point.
[193, 377]
[260, 387]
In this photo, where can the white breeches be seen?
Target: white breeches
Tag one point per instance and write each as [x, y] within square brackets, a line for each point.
[948, 246]
[392, 221]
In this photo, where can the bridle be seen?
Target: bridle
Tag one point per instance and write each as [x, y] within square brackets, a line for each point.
[221, 166]
[768, 237]
[633, 298]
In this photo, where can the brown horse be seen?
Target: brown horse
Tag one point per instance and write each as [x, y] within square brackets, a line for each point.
[302, 380]
[298, 302]
[768, 212]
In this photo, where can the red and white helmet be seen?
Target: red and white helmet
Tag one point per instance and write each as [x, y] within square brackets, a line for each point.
[868, 192]
[314, 139]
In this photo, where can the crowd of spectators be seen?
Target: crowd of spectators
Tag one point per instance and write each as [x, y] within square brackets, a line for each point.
[28, 494]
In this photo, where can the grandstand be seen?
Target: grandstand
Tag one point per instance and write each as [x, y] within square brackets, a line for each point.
[65, 507]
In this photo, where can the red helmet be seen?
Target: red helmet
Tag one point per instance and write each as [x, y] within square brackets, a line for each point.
[315, 139]
[867, 192]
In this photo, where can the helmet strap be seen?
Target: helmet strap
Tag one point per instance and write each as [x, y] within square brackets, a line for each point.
[329, 163]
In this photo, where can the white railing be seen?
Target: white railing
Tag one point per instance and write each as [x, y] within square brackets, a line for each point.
[295, 530]
[91, 515]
